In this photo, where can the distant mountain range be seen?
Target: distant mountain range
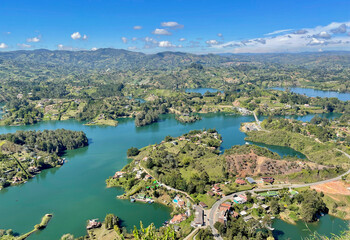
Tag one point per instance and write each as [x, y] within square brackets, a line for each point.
[119, 59]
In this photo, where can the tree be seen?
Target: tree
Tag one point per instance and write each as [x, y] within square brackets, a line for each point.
[67, 237]
[111, 220]
[133, 151]
[275, 207]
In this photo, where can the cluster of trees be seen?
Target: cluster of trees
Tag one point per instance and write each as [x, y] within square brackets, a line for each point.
[320, 127]
[133, 151]
[238, 229]
[150, 112]
[111, 220]
[51, 141]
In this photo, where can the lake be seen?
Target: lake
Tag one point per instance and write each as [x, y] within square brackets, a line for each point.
[310, 92]
[77, 191]
[327, 225]
[202, 90]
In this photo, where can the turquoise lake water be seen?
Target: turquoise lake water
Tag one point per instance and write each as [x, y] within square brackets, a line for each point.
[317, 93]
[77, 191]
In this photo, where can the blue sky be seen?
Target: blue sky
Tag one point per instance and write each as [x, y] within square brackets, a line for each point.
[198, 26]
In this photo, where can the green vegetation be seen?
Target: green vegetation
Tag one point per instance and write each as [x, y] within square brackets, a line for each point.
[9, 235]
[133, 151]
[25, 153]
[302, 137]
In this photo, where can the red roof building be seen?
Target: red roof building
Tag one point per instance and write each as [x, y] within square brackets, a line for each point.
[240, 181]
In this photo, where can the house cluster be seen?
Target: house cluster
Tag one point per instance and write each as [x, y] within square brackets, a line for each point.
[180, 203]
[16, 180]
[242, 110]
[225, 210]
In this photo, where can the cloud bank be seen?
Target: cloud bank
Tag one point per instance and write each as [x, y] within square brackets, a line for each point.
[331, 37]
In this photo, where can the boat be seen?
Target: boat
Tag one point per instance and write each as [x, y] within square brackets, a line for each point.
[132, 199]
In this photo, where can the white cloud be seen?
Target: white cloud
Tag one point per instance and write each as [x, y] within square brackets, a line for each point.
[315, 41]
[323, 34]
[23, 45]
[34, 39]
[166, 44]
[85, 37]
[301, 31]
[308, 39]
[94, 49]
[75, 35]
[182, 39]
[7, 33]
[137, 27]
[134, 39]
[161, 31]
[212, 42]
[278, 31]
[150, 43]
[132, 48]
[3, 46]
[173, 25]
[150, 40]
[66, 48]
[124, 39]
[220, 35]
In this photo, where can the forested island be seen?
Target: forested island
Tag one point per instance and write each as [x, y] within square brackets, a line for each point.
[24, 154]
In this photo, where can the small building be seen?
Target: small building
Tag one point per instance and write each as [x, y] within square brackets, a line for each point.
[234, 214]
[247, 218]
[216, 188]
[203, 205]
[148, 177]
[198, 218]
[178, 218]
[243, 213]
[222, 218]
[264, 206]
[118, 174]
[240, 181]
[239, 200]
[225, 207]
[93, 224]
[210, 193]
[268, 179]
[250, 180]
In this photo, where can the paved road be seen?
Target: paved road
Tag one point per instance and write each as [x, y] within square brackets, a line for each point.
[213, 211]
